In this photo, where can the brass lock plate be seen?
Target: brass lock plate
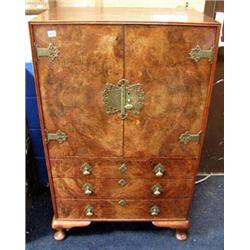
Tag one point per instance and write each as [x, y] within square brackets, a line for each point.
[123, 98]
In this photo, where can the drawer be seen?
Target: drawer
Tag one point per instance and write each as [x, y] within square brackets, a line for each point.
[69, 188]
[113, 168]
[129, 209]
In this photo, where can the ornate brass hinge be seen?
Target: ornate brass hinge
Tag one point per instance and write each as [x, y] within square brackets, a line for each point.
[187, 137]
[59, 136]
[52, 52]
[197, 53]
[123, 98]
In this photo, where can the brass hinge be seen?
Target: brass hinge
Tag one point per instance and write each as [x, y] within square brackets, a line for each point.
[123, 98]
[187, 137]
[58, 136]
[197, 53]
[52, 52]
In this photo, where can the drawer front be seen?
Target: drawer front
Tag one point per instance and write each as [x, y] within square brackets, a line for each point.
[110, 168]
[132, 209]
[70, 188]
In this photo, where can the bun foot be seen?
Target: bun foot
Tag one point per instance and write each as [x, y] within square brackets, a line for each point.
[181, 234]
[59, 234]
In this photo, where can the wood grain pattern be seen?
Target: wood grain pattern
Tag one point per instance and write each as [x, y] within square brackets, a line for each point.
[72, 188]
[175, 88]
[104, 45]
[133, 209]
[109, 168]
[106, 15]
[71, 88]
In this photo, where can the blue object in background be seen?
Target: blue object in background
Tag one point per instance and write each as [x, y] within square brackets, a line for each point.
[33, 125]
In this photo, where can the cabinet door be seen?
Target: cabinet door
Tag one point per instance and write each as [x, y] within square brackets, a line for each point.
[175, 88]
[71, 87]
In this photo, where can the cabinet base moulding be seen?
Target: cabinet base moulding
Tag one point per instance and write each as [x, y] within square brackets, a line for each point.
[61, 225]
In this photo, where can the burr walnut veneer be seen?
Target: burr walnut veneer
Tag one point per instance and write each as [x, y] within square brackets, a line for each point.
[123, 97]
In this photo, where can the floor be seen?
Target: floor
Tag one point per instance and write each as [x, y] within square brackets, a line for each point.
[206, 233]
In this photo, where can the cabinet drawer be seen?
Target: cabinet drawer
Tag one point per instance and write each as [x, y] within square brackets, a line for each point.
[113, 168]
[132, 209]
[70, 188]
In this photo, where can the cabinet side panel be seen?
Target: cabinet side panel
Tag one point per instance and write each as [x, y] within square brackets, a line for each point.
[175, 88]
[72, 85]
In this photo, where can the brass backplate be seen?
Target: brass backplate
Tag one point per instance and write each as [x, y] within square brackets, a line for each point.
[123, 98]
[197, 53]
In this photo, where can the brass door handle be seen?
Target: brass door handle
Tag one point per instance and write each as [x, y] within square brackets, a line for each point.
[86, 169]
[89, 211]
[88, 189]
[156, 189]
[155, 210]
[159, 170]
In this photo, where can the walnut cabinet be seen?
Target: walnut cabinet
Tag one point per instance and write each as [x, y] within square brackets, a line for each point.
[123, 98]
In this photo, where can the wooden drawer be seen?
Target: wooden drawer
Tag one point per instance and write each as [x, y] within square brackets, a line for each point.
[110, 168]
[133, 209]
[110, 188]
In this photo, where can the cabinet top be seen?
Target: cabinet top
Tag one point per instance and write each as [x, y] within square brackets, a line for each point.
[124, 16]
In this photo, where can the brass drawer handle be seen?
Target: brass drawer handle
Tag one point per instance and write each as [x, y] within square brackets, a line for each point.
[155, 210]
[88, 189]
[86, 169]
[159, 170]
[156, 189]
[89, 211]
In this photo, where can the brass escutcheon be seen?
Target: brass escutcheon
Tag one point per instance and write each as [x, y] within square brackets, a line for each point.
[123, 167]
[123, 98]
[122, 203]
[122, 182]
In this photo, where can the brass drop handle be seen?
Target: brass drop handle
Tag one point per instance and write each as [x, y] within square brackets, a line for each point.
[156, 189]
[159, 170]
[155, 210]
[89, 211]
[88, 189]
[86, 169]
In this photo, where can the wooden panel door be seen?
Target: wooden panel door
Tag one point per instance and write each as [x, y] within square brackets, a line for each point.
[175, 87]
[71, 88]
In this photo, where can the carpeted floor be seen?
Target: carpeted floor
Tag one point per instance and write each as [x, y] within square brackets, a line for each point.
[206, 233]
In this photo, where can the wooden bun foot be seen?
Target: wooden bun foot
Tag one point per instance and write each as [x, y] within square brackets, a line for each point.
[59, 234]
[181, 234]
